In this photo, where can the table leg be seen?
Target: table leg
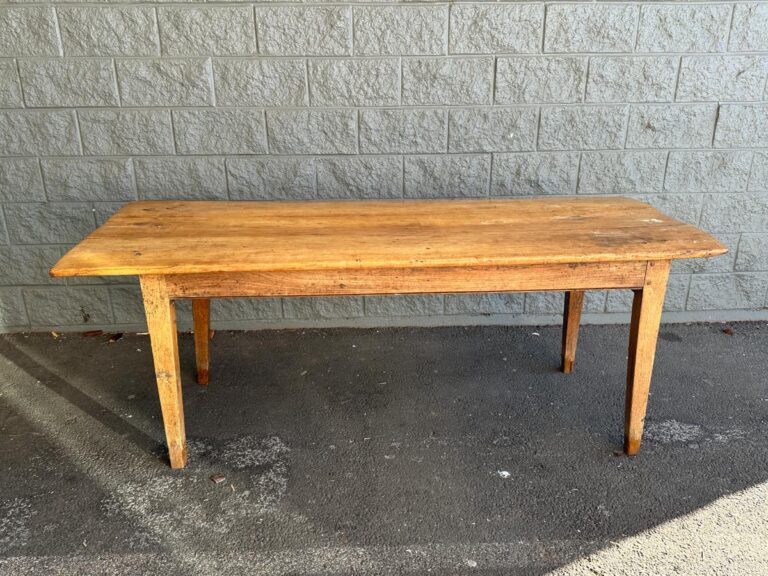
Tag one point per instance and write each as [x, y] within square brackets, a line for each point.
[574, 300]
[201, 317]
[644, 329]
[161, 321]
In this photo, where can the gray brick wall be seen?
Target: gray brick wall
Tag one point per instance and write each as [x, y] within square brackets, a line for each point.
[106, 102]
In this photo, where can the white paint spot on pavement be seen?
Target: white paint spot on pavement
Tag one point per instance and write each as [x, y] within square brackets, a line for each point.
[728, 435]
[258, 462]
[14, 520]
[670, 431]
[249, 451]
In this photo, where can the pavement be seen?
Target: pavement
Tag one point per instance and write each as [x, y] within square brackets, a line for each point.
[447, 451]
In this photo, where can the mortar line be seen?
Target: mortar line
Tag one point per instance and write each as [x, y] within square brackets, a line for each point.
[490, 176]
[351, 30]
[677, 78]
[358, 118]
[117, 84]
[688, 292]
[57, 27]
[76, 157]
[307, 82]
[640, 10]
[255, 29]
[494, 72]
[24, 303]
[730, 28]
[214, 99]
[357, 131]
[700, 212]
[314, 173]
[134, 177]
[173, 132]
[108, 291]
[751, 171]
[578, 172]
[666, 168]
[448, 8]
[156, 17]
[538, 128]
[79, 129]
[450, 56]
[447, 132]
[765, 88]
[431, 106]
[714, 127]
[21, 84]
[42, 179]
[626, 126]
[4, 220]
[586, 79]
[225, 162]
[737, 251]
[266, 133]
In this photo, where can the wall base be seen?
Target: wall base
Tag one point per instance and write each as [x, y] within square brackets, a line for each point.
[185, 324]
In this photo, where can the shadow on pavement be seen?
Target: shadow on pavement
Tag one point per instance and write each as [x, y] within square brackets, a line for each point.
[443, 450]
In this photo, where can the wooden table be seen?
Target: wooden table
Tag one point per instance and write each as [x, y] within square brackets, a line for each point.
[203, 250]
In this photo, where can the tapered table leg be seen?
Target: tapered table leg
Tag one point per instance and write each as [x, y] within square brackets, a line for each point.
[644, 329]
[574, 300]
[161, 321]
[201, 318]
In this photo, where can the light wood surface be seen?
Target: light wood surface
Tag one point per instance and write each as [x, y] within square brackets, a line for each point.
[161, 322]
[168, 237]
[202, 250]
[201, 311]
[588, 275]
[647, 305]
[574, 301]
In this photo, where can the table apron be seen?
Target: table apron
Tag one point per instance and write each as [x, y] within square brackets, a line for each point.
[415, 280]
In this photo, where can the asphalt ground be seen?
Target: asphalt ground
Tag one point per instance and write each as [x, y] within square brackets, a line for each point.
[386, 451]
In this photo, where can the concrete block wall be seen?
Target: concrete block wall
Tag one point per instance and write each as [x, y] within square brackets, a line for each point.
[102, 103]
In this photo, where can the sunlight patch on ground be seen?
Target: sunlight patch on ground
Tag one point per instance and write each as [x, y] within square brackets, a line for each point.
[727, 536]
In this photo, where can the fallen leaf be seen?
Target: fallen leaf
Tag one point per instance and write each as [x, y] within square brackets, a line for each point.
[92, 333]
[728, 331]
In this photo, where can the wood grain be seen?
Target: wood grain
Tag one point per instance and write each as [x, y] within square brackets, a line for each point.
[161, 322]
[201, 311]
[574, 301]
[170, 237]
[647, 306]
[409, 280]
[202, 250]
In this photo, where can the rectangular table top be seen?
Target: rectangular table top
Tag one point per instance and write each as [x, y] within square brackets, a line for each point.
[179, 237]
